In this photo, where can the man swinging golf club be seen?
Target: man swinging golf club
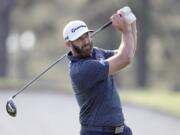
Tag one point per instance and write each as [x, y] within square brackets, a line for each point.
[91, 71]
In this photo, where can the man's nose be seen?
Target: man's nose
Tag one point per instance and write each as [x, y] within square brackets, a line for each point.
[86, 40]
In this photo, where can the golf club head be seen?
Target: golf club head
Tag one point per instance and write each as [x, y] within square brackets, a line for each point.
[11, 107]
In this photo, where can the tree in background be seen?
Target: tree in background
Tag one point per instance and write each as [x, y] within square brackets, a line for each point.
[143, 10]
[5, 10]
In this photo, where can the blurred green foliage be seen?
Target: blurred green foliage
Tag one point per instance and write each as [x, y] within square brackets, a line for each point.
[159, 99]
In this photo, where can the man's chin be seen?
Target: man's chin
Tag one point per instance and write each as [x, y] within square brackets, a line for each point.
[87, 53]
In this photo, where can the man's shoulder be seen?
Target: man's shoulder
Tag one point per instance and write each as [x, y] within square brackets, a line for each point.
[87, 66]
[81, 65]
[98, 49]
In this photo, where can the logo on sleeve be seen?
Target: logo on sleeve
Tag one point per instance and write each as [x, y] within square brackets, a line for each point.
[102, 61]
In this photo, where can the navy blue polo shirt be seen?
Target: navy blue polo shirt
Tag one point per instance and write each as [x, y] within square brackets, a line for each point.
[95, 90]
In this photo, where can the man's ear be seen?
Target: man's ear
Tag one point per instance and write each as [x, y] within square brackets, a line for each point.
[67, 43]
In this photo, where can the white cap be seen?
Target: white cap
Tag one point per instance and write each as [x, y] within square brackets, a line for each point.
[74, 29]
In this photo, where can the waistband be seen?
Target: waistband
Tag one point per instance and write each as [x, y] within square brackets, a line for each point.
[116, 130]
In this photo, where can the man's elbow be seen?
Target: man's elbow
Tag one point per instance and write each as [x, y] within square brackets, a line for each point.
[127, 61]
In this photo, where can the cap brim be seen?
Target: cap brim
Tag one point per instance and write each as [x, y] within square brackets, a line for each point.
[80, 34]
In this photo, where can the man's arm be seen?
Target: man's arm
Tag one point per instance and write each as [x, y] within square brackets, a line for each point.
[134, 31]
[126, 51]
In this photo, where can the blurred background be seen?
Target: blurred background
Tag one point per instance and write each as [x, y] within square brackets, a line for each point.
[31, 39]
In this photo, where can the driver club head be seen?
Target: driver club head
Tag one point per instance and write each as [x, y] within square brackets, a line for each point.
[11, 107]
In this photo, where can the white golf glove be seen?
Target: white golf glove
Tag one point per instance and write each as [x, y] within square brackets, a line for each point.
[128, 14]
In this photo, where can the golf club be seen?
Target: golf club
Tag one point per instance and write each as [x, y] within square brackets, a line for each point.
[10, 105]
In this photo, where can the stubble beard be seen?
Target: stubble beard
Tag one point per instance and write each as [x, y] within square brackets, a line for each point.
[83, 52]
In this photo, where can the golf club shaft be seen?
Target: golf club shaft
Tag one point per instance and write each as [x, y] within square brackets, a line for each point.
[101, 28]
[38, 76]
[54, 63]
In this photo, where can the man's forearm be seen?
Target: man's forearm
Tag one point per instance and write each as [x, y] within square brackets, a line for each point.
[129, 41]
[127, 47]
[134, 31]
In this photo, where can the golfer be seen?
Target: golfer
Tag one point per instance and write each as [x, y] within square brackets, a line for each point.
[91, 70]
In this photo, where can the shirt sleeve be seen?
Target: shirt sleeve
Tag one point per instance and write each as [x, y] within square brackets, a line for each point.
[91, 73]
[108, 53]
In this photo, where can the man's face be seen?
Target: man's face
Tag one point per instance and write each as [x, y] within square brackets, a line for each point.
[83, 45]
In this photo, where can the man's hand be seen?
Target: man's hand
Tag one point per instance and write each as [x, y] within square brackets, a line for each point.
[119, 22]
[122, 18]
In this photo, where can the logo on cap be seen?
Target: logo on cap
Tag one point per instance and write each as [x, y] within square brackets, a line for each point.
[74, 29]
